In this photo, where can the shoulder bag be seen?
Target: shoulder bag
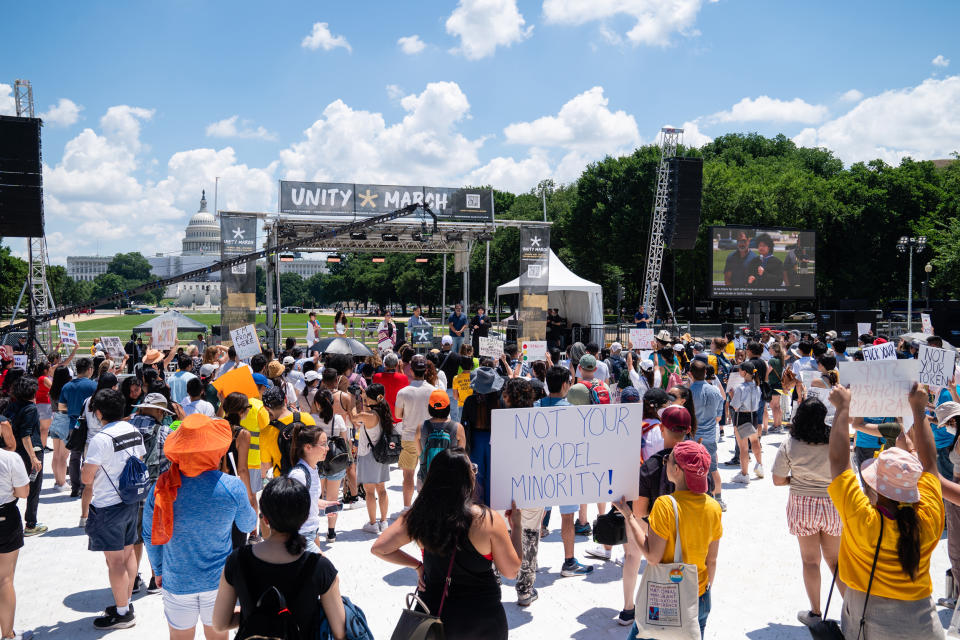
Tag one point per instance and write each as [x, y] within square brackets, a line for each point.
[420, 625]
[338, 454]
[862, 632]
[387, 448]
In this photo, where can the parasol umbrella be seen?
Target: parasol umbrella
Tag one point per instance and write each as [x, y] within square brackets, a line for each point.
[919, 336]
[347, 346]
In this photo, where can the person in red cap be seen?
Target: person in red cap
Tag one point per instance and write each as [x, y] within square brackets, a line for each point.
[437, 433]
[687, 467]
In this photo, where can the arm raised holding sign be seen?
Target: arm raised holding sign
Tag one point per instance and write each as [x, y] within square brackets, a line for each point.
[923, 436]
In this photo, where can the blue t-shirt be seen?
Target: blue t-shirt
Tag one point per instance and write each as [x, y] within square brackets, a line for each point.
[551, 402]
[941, 437]
[865, 439]
[707, 402]
[203, 513]
[458, 321]
[178, 386]
[641, 320]
[75, 393]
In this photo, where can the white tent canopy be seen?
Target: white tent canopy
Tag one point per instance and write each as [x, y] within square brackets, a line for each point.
[579, 301]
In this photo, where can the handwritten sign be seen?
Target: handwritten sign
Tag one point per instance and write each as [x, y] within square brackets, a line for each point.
[565, 455]
[925, 321]
[113, 347]
[533, 350]
[245, 341]
[885, 351]
[864, 328]
[491, 347]
[641, 338]
[237, 379]
[734, 380]
[936, 366]
[164, 333]
[68, 332]
[879, 388]
[461, 382]
[20, 360]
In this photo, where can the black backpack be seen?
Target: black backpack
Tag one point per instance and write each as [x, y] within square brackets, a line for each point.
[338, 455]
[285, 438]
[271, 619]
[386, 450]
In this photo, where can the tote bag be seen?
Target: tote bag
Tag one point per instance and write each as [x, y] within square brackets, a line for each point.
[668, 603]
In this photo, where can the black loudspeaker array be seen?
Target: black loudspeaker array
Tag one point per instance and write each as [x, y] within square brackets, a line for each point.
[683, 204]
[21, 179]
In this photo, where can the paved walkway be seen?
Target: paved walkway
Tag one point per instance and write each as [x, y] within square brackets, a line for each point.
[758, 590]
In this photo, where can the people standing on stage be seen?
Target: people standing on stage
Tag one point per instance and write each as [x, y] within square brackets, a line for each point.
[479, 328]
[458, 326]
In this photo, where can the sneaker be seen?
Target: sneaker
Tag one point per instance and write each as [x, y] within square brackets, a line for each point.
[582, 529]
[775, 430]
[152, 586]
[544, 532]
[57, 487]
[949, 603]
[809, 618]
[75, 493]
[137, 584]
[23, 635]
[732, 462]
[113, 620]
[597, 551]
[723, 505]
[382, 524]
[372, 527]
[758, 470]
[36, 530]
[741, 478]
[331, 536]
[83, 522]
[526, 599]
[626, 617]
[574, 568]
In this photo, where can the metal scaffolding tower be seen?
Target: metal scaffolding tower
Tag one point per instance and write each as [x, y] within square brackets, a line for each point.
[40, 300]
[669, 139]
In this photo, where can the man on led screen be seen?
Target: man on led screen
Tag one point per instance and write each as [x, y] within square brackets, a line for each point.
[740, 263]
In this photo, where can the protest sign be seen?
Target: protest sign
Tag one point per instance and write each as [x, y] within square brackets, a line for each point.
[533, 350]
[245, 341]
[20, 360]
[864, 328]
[936, 366]
[565, 455]
[237, 379]
[734, 380]
[491, 347]
[113, 347]
[885, 351]
[641, 339]
[925, 321]
[820, 393]
[164, 334]
[880, 388]
[68, 332]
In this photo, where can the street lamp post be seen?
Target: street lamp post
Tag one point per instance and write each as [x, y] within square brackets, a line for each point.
[928, 269]
[910, 246]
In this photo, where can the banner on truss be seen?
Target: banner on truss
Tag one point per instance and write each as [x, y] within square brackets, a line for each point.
[238, 299]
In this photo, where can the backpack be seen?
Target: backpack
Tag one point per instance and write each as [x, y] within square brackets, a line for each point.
[271, 619]
[284, 437]
[387, 448]
[599, 392]
[723, 368]
[616, 364]
[306, 474]
[154, 459]
[438, 439]
[356, 625]
[134, 479]
[338, 454]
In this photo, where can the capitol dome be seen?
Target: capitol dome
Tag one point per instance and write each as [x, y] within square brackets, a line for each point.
[203, 232]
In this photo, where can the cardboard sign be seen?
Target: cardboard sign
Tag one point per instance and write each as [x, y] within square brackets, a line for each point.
[565, 455]
[164, 334]
[491, 347]
[113, 347]
[461, 382]
[820, 393]
[925, 321]
[533, 350]
[936, 366]
[885, 351]
[245, 341]
[864, 328]
[68, 332]
[734, 380]
[641, 338]
[237, 379]
[21, 360]
[879, 389]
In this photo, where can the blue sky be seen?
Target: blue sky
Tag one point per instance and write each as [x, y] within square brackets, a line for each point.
[145, 105]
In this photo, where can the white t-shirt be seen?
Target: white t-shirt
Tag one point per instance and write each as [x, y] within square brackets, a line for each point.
[414, 399]
[652, 441]
[199, 406]
[12, 474]
[109, 449]
[441, 380]
[335, 427]
[309, 527]
[93, 423]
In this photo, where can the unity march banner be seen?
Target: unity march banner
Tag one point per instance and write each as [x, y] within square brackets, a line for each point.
[239, 283]
[534, 282]
[546, 456]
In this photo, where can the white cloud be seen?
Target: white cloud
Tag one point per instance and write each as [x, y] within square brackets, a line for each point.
[227, 128]
[62, 114]
[8, 106]
[767, 109]
[919, 122]
[394, 92]
[852, 96]
[692, 136]
[353, 145]
[411, 45]
[512, 175]
[940, 61]
[483, 25]
[656, 20]
[321, 38]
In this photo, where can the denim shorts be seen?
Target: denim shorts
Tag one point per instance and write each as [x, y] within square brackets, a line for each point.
[60, 426]
[711, 448]
[337, 477]
[112, 528]
[568, 509]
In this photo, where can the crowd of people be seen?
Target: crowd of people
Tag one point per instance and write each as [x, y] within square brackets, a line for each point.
[234, 497]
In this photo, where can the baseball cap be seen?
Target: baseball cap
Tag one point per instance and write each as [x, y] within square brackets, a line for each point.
[207, 370]
[439, 399]
[694, 460]
[675, 418]
[288, 360]
[578, 394]
[698, 346]
[446, 340]
[418, 363]
[588, 363]
[629, 395]
[831, 335]
[273, 397]
[646, 365]
[261, 380]
[616, 347]
[678, 347]
[311, 375]
[879, 341]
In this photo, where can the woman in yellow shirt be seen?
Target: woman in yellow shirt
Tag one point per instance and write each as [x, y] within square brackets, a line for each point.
[894, 523]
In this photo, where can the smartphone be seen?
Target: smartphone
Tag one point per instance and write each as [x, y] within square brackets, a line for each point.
[333, 508]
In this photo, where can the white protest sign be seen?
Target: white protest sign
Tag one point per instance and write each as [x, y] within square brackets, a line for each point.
[491, 347]
[20, 360]
[820, 393]
[864, 328]
[925, 321]
[113, 346]
[565, 455]
[734, 380]
[533, 350]
[885, 351]
[879, 389]
[641, 338]
[807, 376]
[936, 366]
[245, 341]
[164, 333]
[68, 332]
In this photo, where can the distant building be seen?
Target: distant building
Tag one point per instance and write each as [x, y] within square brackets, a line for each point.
[87, 268]
[303, 268]
[202, 236]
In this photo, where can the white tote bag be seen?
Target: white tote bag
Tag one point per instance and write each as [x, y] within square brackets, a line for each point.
[668, 603]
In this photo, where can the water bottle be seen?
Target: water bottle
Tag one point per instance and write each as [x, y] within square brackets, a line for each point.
[33, 475]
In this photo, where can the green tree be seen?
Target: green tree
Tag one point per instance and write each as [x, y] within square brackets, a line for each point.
[108, 284]
[130, 266]
[14, 272]
[292, 290]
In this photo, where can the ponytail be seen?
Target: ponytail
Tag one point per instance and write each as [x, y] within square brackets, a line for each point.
[235, 406]
[908, 545]
[295, 544]
[322, 399]
[382, 409]
[303, 434]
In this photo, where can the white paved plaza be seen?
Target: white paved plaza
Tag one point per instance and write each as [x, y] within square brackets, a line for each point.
[758, 590]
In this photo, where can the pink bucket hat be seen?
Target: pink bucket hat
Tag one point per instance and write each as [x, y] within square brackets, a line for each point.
[894, 474]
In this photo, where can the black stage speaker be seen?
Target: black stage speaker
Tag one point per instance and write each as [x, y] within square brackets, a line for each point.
[683, 214]
[21, 182]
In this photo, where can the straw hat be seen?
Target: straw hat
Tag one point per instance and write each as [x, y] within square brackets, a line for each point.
[152, 356]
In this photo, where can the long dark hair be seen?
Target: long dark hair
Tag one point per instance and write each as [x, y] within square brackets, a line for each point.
[442, 514]
[302, 436]
[235, 406]
[323, 400]
[687, 396]
[908, 544]
[61, 376]
[382, 409]
[285, 503]
[809, 422]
